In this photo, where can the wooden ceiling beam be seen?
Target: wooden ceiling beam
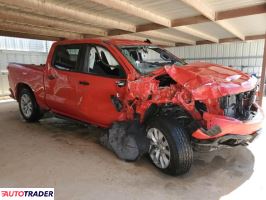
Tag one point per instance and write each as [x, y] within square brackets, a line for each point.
[197, 33]
[189, 20]
[28, 36]
[117, 32]
[167, 37]
[240, 12]
[178, 22]
[202, 7]
[143, 38]
[228, 14]
[149, 27]
[255, 37]
[21, 28]
[54, 10]
[232, 39]
[64, 18]
[25, 18]
[231, 29]
[134, 10]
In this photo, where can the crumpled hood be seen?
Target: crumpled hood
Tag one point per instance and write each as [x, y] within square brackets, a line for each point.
[206, 80]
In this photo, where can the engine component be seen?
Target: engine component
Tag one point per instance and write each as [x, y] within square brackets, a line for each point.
[239, 106]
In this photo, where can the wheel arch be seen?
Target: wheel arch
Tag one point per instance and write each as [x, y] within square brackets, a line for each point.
[165, 109]
[19, 87]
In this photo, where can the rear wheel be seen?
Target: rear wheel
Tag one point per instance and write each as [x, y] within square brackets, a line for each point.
[28, 106]
[170, 149]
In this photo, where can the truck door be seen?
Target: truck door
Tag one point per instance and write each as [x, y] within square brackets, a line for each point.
[102, 86]
[60, 82]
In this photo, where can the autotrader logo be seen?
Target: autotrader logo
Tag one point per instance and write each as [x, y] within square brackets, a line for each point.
[26, 193]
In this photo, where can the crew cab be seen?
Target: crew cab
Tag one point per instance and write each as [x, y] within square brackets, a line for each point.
[182, 107]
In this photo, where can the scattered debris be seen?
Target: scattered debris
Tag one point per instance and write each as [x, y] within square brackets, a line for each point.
[127, 140]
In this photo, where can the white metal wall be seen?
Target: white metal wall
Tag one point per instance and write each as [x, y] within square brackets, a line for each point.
[20, 44]
[245, 56]
[21, 51]
[7, 56]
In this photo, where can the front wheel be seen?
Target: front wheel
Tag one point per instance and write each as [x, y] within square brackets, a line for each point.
[170, 149]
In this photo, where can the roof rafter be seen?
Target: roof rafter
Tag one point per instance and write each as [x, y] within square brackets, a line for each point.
[205, 10]
[197, 33]
[201, 7]
[232, 39]
[227, 14]
[141, 38]
[240, 12]
[28, 36]
[168, 37]
[62, 18]
[25, 18]
[135, 11]
[21, 28]
[189, 20]
[54, 10]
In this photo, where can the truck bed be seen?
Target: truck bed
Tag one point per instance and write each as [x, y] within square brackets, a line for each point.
[27, 74]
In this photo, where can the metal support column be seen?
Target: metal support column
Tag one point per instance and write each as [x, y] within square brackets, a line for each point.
[263, 74]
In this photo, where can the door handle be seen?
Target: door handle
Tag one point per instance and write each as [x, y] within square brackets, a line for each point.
[120, 83]
[84, 83]
[51, 77]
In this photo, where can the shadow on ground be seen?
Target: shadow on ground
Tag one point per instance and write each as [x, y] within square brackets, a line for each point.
[66, 155]
[220, 171]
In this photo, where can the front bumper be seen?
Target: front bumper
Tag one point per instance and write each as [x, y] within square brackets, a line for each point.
[218, 126]
[225, 141]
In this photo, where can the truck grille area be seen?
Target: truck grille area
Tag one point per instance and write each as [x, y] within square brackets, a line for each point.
[239, 106]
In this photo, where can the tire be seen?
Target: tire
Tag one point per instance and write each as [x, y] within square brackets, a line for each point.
[28, 106]
[179, 151]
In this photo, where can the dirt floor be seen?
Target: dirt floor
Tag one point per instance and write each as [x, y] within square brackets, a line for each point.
[64, 155]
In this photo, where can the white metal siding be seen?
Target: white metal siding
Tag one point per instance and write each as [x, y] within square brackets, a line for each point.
[246, 56]
[19, 50]
[18, 44]
[3, 83]
[26, 57]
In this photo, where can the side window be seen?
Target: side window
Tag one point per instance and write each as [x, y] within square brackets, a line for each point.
[66, 57]
[99, 61]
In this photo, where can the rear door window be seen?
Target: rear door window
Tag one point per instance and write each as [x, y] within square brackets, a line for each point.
[66, 57]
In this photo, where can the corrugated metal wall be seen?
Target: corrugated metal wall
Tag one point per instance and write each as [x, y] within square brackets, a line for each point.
[19, 44]
[21, 51]
[245, 56]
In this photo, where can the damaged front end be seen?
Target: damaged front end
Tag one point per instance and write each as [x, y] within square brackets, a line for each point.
[220, 102]
[215, 104]
[225, 99]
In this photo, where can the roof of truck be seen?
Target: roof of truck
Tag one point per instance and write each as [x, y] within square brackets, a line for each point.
[118, 42]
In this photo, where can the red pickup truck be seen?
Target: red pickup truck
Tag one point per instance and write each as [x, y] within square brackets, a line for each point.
[177, 107]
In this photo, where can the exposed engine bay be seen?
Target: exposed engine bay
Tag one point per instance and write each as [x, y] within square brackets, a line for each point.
[239, 106]
[196, 96]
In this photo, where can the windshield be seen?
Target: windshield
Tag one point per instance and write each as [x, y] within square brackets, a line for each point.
[149, 58]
